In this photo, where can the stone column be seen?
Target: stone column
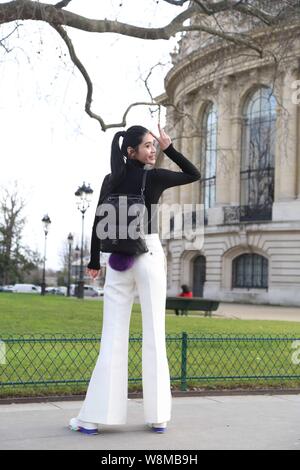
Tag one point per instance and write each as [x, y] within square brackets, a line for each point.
[236, 126]
[171, 195]
[225, 149]
[286, 206]
[187, 150]
[224, 156]
[175, 131]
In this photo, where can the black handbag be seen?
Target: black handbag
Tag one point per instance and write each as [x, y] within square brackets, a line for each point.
[132, 241]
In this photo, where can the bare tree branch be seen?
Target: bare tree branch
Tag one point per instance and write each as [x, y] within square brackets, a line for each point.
[62, 4]
[235, 38]
[31, 10]
[145, 80]
[61, 31]
[6, 37]
[53, 14]
[58, 17]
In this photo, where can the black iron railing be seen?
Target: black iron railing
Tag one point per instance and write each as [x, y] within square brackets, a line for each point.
[257, 188]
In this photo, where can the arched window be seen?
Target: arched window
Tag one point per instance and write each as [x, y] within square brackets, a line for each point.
[258, 155]
[250, 270]
[209, 158]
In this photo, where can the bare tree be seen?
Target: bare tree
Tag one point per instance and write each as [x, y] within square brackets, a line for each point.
[196, 15]
[15, 259]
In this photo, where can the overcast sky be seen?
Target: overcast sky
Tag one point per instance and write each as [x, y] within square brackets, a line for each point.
[48, 144]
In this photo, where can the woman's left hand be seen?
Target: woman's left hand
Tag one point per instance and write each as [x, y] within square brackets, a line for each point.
[163, 139]
[93, 272]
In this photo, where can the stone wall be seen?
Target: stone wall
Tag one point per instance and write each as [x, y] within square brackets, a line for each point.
[195, 80]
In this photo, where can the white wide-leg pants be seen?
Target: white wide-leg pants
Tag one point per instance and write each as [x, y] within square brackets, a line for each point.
[107, 394]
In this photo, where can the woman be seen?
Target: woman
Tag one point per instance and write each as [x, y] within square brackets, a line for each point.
[106, 398]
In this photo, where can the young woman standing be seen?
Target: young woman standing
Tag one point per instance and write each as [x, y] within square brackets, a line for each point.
[106, 398]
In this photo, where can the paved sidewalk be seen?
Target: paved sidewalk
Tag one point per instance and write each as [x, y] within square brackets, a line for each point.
[258, 312]
[247, 311]
[219, 422]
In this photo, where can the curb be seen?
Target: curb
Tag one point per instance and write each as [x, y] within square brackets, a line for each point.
[139, 395]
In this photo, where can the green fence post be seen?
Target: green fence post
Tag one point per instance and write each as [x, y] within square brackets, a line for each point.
[184, 345]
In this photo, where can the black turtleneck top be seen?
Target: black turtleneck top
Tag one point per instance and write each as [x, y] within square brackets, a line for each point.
[158, 179]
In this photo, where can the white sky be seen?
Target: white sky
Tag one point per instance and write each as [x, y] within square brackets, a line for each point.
[48, 143]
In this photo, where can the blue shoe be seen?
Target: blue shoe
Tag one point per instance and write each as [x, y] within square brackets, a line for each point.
[159, 428]
[82, 426]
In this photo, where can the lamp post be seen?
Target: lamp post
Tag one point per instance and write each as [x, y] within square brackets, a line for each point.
[70, 242]
[77, 254]
[46, 223]
[83, 195]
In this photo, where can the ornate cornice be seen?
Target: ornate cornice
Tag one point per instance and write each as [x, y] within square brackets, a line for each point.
[207, 58]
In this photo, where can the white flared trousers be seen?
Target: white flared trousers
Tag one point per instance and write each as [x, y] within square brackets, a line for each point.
[107, 394]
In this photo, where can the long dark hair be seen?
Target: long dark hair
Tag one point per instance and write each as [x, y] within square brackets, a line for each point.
[131, 138]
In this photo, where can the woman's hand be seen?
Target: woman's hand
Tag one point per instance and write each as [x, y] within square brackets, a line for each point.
[93, 272]
[163, 139]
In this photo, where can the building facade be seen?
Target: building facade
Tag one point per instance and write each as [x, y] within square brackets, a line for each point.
[236, 117]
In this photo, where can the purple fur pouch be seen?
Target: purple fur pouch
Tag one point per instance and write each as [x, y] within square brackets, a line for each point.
[121, 261]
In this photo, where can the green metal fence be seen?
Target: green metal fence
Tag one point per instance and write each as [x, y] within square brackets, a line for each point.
[43, 361]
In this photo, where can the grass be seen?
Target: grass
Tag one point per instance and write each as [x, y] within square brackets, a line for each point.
[34, 314]
[26, 314]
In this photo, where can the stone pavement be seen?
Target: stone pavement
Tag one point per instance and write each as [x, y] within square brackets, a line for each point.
[248, 311]
[253, 312]
[214, 422]
[257, 312]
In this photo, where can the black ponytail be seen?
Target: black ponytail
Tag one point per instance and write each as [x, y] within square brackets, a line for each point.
[117, 162]
[131, 138]
[116, 156]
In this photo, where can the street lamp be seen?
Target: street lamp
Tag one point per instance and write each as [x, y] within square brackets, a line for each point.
[83, 195]
[77, 254]
[70, 242]
[46, 223]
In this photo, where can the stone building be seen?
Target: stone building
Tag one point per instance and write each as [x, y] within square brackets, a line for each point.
[237, 119]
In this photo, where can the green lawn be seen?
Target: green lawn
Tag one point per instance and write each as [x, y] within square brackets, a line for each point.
[26, 314]
[34, 314]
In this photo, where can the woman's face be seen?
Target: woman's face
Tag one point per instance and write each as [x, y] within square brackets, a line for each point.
[146, 151]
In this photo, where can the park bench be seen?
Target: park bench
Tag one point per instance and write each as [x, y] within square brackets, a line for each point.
[192, 303]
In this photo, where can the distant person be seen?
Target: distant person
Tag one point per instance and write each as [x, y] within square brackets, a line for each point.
[186, 292]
